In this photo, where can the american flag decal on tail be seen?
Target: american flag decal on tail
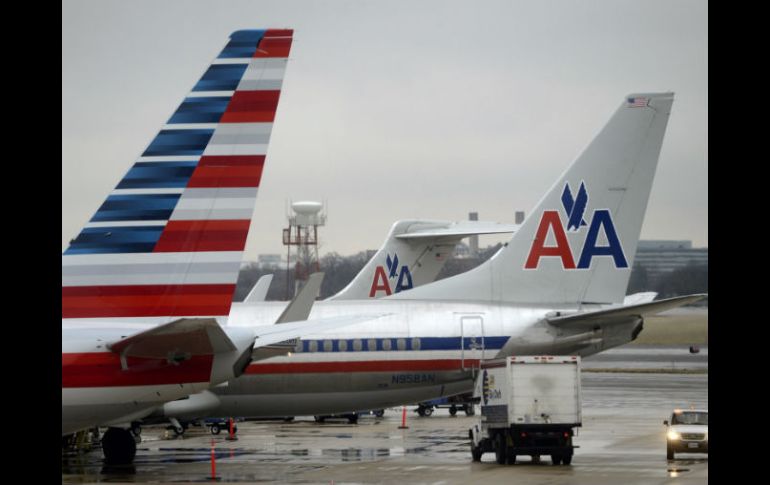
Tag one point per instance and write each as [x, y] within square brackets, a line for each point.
[168, 241]
[637, 102]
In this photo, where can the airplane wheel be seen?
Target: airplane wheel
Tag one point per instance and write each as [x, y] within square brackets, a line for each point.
[118, 446]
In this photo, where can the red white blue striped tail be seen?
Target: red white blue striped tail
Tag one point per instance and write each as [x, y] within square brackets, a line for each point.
[169, 240]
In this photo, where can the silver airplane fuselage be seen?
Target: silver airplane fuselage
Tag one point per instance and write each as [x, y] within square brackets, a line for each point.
[418, 351]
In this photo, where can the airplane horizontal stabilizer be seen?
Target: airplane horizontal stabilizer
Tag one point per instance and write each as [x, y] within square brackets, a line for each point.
[636, 298]
[457, 230]
[621, 314]
[259, 292]
[299, 308]
[188, 336]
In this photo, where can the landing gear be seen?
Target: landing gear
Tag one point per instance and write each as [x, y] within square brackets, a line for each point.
[118, 446]
[177, 427]
[136, 432]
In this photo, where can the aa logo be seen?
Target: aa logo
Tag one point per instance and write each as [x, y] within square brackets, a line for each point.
[575, 210]
[382, 280]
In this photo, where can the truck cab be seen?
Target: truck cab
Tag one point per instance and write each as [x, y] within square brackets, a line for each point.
[688, 432]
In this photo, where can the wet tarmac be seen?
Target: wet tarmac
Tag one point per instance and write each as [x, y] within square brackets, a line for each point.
[622, 441]
[648, 357]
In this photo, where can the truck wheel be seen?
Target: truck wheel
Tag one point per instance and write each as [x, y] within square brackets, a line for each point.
[476, 453]
[215, 429]
[511, 457]
[556, 459]
[453, 410]
[469, 411]
[669, 452]
[501, 449]
[428, 411]
[379, 413]
[566, 459]
[353, 419]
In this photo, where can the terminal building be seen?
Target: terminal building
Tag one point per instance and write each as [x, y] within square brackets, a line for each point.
[660, 257]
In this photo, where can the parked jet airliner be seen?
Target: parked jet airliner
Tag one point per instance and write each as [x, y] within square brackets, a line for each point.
[557, 287]
[149, 280]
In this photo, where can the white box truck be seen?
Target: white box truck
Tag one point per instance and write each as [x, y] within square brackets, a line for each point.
[529, 406]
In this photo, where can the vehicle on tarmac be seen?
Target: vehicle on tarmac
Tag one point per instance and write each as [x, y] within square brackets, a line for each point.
[351, 417]
[464, 402]
[529, 406]
[688, 432]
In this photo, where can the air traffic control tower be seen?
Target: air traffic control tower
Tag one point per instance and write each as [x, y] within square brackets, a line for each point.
[304, 220]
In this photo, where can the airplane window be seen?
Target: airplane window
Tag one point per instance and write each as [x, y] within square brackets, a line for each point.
[401, 344]
[416, 343]
[386, 344]
[312, 346]
[357, 346]
[372, 344]
[342, 345]
[327, 345]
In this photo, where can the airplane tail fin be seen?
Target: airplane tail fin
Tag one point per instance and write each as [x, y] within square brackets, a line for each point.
[168, 241]
[413, 254]
[579, 243]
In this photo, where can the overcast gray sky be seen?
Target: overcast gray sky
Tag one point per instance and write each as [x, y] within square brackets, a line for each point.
[397, 109]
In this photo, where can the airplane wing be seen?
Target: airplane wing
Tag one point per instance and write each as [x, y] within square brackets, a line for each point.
[182, 337]
[259, 292]
[457, 230]
[621, 314]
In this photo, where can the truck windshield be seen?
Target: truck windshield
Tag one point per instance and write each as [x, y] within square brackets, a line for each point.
[690, 417]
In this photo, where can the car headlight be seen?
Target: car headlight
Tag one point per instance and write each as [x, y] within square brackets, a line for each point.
[673, 435]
